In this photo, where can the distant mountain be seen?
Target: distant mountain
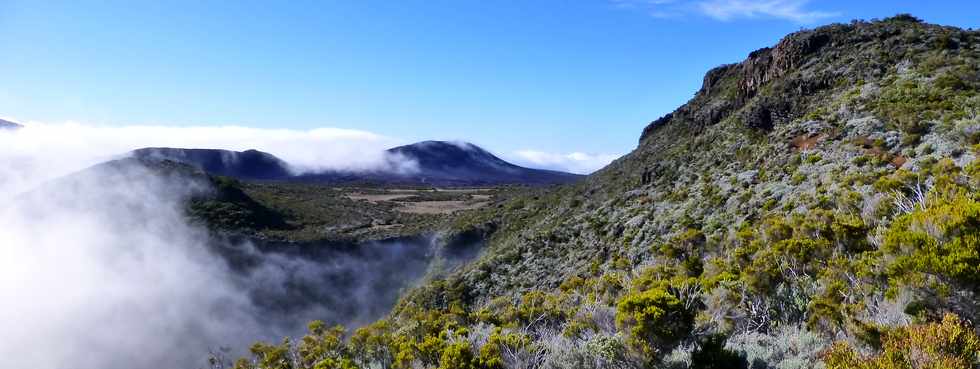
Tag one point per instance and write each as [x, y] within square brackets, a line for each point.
[461, 162]
[435, 163]
[250, 164]
[6, 124]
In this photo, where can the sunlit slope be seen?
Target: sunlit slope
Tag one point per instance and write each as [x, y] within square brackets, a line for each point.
[821, 190]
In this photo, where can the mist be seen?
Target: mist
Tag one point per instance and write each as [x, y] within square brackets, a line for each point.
[100, 268]
[44, 151]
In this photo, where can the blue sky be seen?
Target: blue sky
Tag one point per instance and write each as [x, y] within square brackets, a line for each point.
[555, 77]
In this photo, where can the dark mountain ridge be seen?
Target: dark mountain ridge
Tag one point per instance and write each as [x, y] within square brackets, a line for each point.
[249, 164]
[460, 162]
[6, 124]
[433, 163]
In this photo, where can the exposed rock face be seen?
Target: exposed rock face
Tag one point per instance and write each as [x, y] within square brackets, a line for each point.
[715, 75]
[767, 64]
[800, 66]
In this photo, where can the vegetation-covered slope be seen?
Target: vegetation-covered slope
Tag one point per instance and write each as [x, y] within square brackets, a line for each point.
[814, 205]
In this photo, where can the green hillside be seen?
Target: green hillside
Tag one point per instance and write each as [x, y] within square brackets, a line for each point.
[815, 205]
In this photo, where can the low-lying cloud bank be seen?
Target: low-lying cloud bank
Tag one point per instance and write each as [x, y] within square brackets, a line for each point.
[100, 267]
[40, 151]
[102, 270]
[576, 162]
[43, 151]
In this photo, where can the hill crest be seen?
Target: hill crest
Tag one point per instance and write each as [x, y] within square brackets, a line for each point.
[435, 163]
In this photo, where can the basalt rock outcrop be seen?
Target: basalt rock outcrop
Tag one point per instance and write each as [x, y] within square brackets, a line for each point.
[801, 66]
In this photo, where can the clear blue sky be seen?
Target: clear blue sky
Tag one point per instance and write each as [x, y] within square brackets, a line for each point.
[555, 76]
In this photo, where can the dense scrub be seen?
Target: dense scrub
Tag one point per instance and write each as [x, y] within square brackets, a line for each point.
[814, 206]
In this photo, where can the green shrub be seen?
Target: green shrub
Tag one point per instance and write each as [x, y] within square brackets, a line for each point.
[942, 240]
[429, 351]
[899, 181]
[949, 344]
[909, 105]
[458, 356]
[272, 356]
[374, 343]
[813, 158]
[797, 178]
[331, 363]
[826, 310]
[321, 343]
[655, 319]
[491, 353]
[850, 232]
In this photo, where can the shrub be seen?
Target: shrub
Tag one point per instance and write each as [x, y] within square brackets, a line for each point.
[536, 308]
[430, 350]
[492, 352]
[330, 363]
[949, 344]
[374, 343]
[899, 181]
[787, 347]
[903, 17]
[457, 356]
[797, 178]
[813, 159]
[826, 309]
[687, 247]
[909, 105]
[850, 232]
[942, 240]
[272, 356]
[655, 318]
[321, 343]
[861, 160]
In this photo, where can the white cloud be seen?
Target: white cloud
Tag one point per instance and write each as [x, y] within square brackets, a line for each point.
[576, 162]
[725, 10]
[104, 273]
[102, 270]
[61, 148]
[792, 10]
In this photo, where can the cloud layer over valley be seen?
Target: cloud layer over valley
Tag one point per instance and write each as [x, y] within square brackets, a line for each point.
[102, 269]
[43, 151]
[575, 162]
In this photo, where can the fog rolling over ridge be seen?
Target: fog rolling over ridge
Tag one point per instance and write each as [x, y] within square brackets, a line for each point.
[39, 152]
[426, 163]
[101, 269]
